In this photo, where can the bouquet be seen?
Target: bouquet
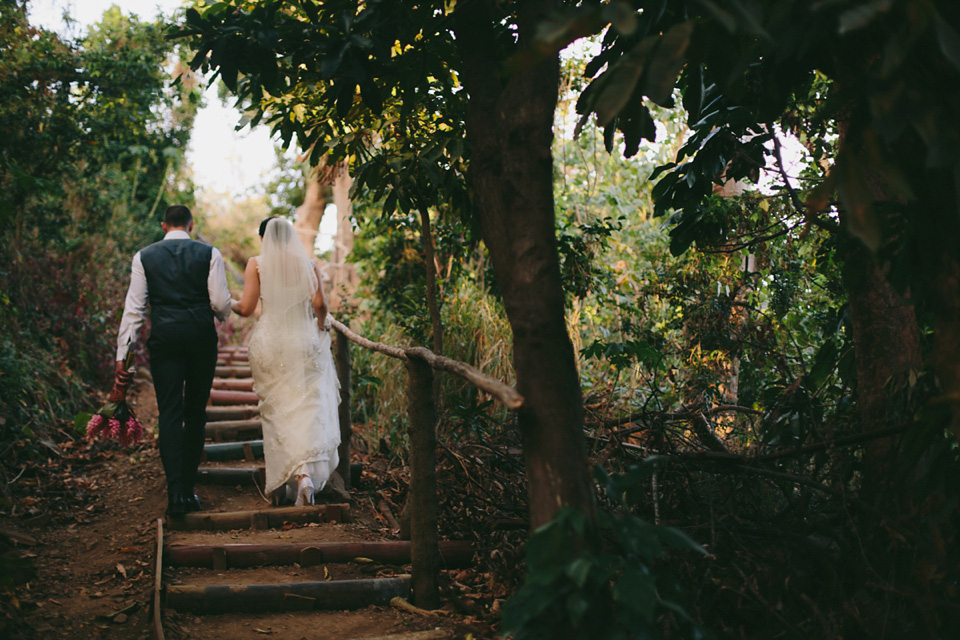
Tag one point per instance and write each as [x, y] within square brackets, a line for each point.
[116, 419]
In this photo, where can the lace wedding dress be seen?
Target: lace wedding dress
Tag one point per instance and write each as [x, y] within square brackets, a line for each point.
[293, 370]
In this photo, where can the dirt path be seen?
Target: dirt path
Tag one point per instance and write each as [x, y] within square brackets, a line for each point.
[91, 536]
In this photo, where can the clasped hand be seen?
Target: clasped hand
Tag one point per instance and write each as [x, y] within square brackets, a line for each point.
[121, 381]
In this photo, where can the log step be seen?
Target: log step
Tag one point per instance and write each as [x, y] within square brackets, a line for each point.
[235, 371]
[256, 476]
[234, 430]
[233, 384]
[430, 634]
[231, 361]
[259, 519]
[232, 476]
[237, 412]
[223, 396]
[292, 596]
[454, 554]
[248, 450]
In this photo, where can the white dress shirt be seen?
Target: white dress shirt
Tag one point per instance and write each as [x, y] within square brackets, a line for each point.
[135, 306]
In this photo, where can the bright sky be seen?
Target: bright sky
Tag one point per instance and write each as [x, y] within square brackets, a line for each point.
[223, 160]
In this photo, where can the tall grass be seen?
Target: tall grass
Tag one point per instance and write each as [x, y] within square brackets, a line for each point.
[476, 332]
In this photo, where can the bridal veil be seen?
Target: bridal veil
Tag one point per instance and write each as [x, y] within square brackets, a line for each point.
[288, 282]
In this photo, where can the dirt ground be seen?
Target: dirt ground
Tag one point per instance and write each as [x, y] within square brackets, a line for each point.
[89, 530]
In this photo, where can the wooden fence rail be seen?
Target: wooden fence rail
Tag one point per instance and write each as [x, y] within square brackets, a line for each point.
[420, 364]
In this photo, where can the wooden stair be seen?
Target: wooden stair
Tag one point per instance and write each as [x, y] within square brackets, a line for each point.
[242, 558]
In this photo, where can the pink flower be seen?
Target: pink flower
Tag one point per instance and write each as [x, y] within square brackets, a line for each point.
[94, 425]
[115, 428]
[133, 432]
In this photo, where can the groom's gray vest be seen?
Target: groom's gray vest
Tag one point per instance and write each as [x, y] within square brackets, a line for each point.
[177, 272]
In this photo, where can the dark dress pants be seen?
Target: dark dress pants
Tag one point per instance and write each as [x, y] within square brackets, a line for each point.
[183, 358]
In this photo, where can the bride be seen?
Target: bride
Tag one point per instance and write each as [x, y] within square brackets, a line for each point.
[292, 365]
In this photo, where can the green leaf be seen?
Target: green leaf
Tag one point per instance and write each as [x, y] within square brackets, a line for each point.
[310, 8]
[637, 591]
[823, 364]
[193, 17]
[949, 41]
[80, 420]
[577, 607]
[579, 570]
[616, 85]
[666, 63]
[678, 539]
[862, 15]
[861, 218]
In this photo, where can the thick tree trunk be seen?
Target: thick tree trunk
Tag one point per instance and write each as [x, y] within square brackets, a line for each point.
[886, 336]
[509, 127]
[946, 338]
[310, 212]
[887, 344]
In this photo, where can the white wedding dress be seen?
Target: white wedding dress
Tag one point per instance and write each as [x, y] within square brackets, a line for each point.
[296, 381]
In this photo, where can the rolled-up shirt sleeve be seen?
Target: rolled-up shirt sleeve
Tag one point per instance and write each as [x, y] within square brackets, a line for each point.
[220, 298]
[134, 308]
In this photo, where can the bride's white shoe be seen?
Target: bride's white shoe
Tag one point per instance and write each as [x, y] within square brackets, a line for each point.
[304, 492]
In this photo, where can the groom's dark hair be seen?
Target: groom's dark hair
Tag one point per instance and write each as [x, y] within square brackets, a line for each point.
[263, 225]
[178, 216]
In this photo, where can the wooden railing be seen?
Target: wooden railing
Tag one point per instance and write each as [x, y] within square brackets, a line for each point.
[423, 504]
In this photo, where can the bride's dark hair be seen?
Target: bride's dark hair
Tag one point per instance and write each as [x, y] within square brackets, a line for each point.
[263, 225]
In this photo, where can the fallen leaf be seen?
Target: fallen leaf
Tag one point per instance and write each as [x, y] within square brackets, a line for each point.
[122, 570]
[265, 632]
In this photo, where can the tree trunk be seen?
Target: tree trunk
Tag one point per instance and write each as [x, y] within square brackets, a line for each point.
[342, 356]
[310, 212]
[886, 336]
[430, 266]
[433, 304]
[422, 503]
[509, 126]
[946, 338]
[342, 274]
[887, 345]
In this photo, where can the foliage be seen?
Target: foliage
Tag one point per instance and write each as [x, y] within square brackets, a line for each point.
[92, 143]
[614, 587]
[403, 137]
[862, 86]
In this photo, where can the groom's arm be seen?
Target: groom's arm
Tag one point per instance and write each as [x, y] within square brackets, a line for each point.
[220, 299]
[134, 308]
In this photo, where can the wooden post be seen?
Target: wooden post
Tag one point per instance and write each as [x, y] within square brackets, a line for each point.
[156, 625]
[424, 543]
[342, 355]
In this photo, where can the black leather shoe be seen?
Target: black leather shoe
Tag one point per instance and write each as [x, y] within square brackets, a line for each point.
[176, 506]
[191, 502]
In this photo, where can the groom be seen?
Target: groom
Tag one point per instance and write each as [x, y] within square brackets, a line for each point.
[185, 283]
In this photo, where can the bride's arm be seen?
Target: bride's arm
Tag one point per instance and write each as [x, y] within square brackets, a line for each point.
[320, 301]
[247, 303]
